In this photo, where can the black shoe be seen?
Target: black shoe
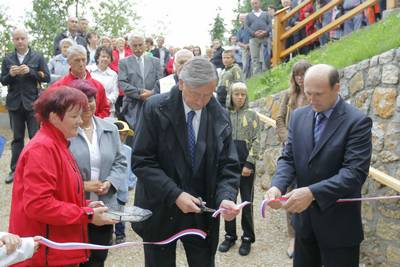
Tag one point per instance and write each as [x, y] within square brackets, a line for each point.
[245, 248]
[226, 245]
[10, 178]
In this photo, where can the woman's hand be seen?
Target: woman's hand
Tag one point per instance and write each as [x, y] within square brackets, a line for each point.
[246, 171]
[105, 187]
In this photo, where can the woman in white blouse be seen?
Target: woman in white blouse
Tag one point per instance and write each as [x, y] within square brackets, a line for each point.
[105, 75]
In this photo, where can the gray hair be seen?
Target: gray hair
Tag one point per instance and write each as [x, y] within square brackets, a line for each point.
[198, 71]
[76, 49]
[66, 40]
[183, 53]
[134, 36]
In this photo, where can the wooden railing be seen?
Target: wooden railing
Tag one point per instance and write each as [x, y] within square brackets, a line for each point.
[375, 174]
[282, 16]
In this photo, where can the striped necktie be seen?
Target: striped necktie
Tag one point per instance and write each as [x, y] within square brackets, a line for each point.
[318, 127]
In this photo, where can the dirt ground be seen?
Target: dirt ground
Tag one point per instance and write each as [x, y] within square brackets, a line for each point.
[269, 250]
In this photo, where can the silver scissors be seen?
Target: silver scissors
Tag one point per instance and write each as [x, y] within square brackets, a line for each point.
[203, 207]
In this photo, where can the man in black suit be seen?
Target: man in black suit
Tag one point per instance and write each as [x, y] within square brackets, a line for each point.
[162, 53]
[22, 71]
[327, 156]
[72, 33]
[184, 150]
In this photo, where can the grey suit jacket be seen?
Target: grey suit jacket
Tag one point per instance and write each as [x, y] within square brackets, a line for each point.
[132, 83]
[113, 162]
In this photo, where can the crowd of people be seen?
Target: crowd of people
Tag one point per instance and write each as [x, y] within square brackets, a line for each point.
[123, 113]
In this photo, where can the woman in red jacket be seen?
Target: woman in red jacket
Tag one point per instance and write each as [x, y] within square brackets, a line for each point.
[48, 197]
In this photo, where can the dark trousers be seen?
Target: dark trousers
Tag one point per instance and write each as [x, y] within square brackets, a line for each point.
[307, 253]
[198, 253]
[18, 119]
[120, 227]
[99, 235]
[118, 106]
[246, 194]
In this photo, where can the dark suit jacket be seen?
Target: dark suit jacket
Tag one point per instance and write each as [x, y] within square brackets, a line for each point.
[56, 43]
[162, 165]
[132, 83]
[23, 89]
[156, 53]
[335, 168]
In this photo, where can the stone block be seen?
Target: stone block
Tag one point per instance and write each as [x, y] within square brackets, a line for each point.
[268, 102]
[393, 254]
[367, 211]
[363, 101]
[384, 102]
[275, 109]
[390, 74]
[390, 213]
[363, 65]
[374, 76]
[350, 71]
[378, 136]
[344, 90]
[356, 83]
[387, 157]
[374, 61]
[387, 57]
[388, 230]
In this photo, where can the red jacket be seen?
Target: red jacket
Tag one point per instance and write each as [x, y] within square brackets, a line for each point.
[102, 105]
[115, 53]
[170, 66]
[48, 198]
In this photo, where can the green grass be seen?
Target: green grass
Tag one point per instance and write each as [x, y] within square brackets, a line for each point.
[360, 45]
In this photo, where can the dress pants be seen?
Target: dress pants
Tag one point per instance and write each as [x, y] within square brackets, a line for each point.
[18, 119]
[246, 194]
[307, 253]
[99, 235]
[198, 253]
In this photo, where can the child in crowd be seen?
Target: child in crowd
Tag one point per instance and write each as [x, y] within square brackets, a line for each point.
[122, 195]
[230, 73]
[245, 134]
[14, 249]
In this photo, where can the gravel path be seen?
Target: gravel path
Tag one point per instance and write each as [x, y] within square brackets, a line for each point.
[269, 250]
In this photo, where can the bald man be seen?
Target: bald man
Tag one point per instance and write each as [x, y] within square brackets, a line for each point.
[72, 33]
[22, 72]
[327, 156]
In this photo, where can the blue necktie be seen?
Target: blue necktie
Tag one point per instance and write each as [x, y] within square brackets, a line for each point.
[318, 127]
[191, 137]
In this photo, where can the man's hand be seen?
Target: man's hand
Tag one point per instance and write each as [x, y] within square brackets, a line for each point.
[146, 94]
[246, 171]
[41, 74]
[96, 204]
[12, 242]
[23, 69]
[92, 186]
[188, 203]
[299, 200]
[230, 210]
[100, 218]
[274, 193]
[105, 187]
[14, 70]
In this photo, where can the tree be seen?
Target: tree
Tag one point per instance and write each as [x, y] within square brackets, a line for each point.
[218, 28]
[46, 20]
[6, 44]
[114, 18]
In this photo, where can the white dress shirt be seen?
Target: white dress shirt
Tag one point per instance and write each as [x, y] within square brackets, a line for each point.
[196, 118]
[22, 57]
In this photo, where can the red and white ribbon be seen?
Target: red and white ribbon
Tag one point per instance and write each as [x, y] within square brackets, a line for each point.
[75, 245]
[265, 203]
[221, 210]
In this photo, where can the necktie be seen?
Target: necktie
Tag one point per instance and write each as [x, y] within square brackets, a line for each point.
[191, 137]
[319, 119]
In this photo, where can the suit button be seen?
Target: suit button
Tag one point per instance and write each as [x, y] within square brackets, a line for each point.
[171, 218]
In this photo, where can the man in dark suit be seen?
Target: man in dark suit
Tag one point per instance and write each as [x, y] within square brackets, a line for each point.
[162, 53]
[138, 76]
[327, 156]
[22, 71]
[72, 33]
[184, 150]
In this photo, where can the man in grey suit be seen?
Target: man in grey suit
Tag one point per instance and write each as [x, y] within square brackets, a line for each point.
[327, 156]
[138, 76]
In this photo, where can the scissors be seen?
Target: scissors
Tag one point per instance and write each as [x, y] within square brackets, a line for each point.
[203, 207]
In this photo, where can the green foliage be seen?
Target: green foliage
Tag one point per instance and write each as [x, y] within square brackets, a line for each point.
[6, 44]
[218, 28]
[351, 49]
[46, 20]
[114, 18]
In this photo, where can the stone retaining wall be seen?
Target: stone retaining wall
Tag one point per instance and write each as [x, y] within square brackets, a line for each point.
[373, 86]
